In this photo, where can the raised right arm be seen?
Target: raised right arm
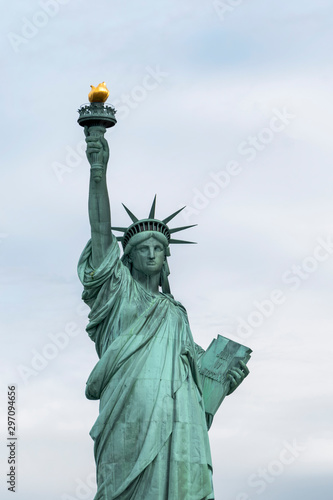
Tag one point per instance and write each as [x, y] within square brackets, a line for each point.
[99, 206]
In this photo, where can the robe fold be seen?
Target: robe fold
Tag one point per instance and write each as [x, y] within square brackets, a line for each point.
[150, 438]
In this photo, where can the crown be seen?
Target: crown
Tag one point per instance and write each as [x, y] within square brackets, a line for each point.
[151, 224]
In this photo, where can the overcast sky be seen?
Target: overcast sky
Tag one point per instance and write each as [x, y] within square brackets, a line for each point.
[225, 107]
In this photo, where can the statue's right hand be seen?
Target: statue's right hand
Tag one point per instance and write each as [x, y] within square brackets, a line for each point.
[97, 149]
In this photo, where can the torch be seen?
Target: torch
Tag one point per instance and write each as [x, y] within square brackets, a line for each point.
[97, 116]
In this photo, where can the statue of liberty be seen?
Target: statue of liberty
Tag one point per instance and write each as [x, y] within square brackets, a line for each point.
[151, 435]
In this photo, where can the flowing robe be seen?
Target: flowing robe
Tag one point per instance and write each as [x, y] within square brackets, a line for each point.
[150, 438]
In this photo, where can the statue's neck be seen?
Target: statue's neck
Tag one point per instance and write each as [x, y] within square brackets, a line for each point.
[149, 283]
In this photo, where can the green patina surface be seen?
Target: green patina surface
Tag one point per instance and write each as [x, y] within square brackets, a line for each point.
[158, 390]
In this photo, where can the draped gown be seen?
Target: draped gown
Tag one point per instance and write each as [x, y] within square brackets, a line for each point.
[150, 438]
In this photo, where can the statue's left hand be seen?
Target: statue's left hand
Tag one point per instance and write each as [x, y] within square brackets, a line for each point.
[236, 376]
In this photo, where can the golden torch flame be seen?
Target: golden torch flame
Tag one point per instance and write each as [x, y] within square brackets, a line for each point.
[99, 93]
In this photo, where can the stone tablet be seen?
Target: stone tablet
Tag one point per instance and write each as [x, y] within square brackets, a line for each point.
[222, 355]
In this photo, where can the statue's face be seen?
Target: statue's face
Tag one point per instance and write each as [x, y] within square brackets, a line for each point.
[148, 257]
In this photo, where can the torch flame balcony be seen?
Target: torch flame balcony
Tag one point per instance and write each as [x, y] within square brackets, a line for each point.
[97, 114]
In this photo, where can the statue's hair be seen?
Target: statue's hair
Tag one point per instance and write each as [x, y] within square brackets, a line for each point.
[140, 238]
[145, 235]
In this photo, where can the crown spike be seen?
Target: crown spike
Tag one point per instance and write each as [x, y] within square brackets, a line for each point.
[119, 238]
[176, 229]
[132, 216]
[152, 210]
[168, 219]
[182, 241]
[122, 229]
